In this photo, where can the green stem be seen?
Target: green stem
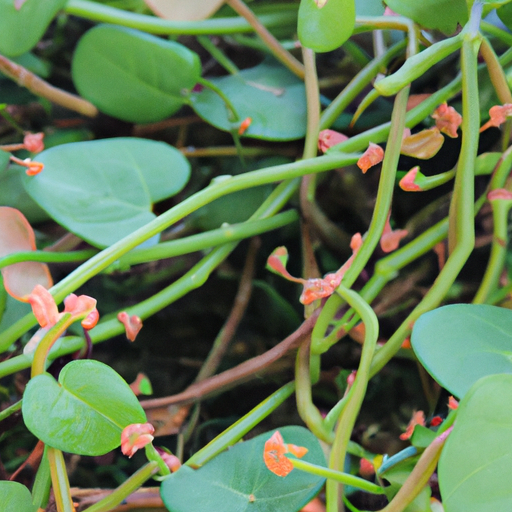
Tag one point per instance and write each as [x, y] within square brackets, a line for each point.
[380, 213]
[355, 395]
[463, 212]
[215, 26]
[233, 116]
[42, 483]
[60, 482]
[236, 431]
[218, 54]
[202, 241]
[338, 476]
[419, 476]
[47, 257]
[10, 410]
[126, 488]
[46, 343]
[217, 189]
[497, 258]
[357, 84]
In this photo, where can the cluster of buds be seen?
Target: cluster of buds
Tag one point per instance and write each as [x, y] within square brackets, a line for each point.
[32, 142]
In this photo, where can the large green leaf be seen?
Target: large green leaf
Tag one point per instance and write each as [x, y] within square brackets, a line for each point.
[132, 75]
[461, 343]
[476, 462]
[21, 28]
[323, 25]
[15, 497]
[239, 480]
[85, 412]
[426, 13]
[103, 190]
[269, 94]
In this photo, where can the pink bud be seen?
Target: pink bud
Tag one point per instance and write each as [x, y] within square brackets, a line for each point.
[136, 436]
[499, 193]
[132, 324]
[329, 138]
[43, 306]
[452, 403]
[447, 119]
[33, 142]
[372, 156]
[366, 468]
[407, 182]
[390, 239]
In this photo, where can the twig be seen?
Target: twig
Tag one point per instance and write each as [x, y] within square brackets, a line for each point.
[244, 370]
[273, 44]
[39, 87]
[228, 330]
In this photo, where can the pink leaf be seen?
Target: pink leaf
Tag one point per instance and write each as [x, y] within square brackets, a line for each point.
[17, 235]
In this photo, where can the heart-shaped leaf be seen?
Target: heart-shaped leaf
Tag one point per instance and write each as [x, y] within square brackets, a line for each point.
[85, 412]
[460, 343]
[16, 235]
[132, 75]
[476, 461]
[22, 24]
[324, 25]
[269, 94]
[15, 497]
[426, 13]
[103, 190]
[239, 480]
[178, 10]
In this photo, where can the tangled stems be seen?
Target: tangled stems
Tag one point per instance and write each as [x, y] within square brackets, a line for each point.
[462, 210]
[217, 189]
[355, 395]
[320, 344]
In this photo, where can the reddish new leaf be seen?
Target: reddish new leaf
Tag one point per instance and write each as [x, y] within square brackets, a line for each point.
[17, 235]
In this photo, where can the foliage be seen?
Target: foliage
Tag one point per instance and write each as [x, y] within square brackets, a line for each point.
[149, 152]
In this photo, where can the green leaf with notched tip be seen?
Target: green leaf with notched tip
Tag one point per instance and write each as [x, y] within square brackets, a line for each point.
[85, 412]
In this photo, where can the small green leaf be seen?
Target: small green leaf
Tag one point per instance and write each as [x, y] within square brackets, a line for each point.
[269, 94]
[15, 497]
[422, 436]
[476, 461]
[324, 25]
[103, 190]
[460, 343]
[427, 13]
[21, 29]
[505, 14]
[132, 75]
[85, 412]
[239, 480]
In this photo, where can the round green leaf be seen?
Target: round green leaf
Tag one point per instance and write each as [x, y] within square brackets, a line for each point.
[269, 94]
[476, 461]
[103, 190]
[426, 13]
[239, 480]
[132, 75]
[85, 412]
[22, 28]
[15, 497]
[460, 343]
[325, 28]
